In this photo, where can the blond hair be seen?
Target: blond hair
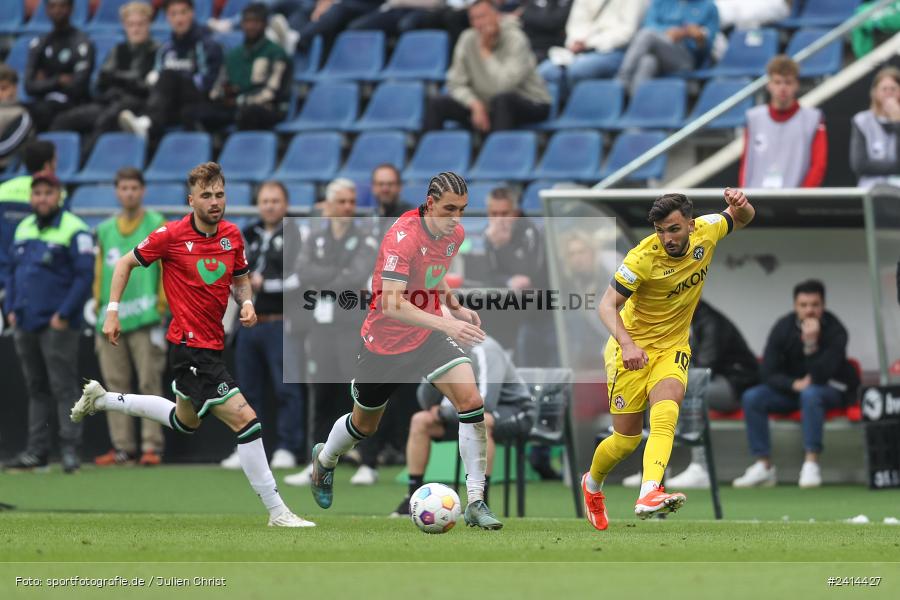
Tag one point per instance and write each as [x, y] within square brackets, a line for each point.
[893, 73]
[783, 65]
[139, 8]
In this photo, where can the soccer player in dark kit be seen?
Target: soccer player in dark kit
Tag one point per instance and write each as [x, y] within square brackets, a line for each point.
[203, 259]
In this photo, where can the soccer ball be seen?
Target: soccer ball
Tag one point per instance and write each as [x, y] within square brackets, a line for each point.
[434, 508]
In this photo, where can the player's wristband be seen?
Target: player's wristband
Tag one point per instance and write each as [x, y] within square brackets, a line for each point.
[246, 302]
[112, 307]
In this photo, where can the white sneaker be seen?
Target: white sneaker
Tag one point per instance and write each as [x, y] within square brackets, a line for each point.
[810, 475]
[233, 462]
[283, 459]
[364, 476]
[633, 481]
[756, 475]
[85, 406]
[694, 477]
[140, 126]
[289, 519]
[304, 477]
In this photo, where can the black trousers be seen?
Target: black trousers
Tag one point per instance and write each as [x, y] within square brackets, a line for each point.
[92, 120]
[506, 111]
[211, 116]
[171, 100]
[43, 112]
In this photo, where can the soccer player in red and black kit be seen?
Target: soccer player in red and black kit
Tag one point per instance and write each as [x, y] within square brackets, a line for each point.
[405, 335]
[203, 259]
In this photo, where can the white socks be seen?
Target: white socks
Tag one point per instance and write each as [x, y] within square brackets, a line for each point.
[473, 451]
[647, 487]
[256, 468]
[343, 437]
[592, 486]
[155, 408]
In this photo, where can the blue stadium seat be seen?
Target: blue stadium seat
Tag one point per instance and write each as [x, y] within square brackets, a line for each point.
[301, 193]
[415, 190]
[357, 55]
[371, 149]
[394, 105]
[748, 53]
[94, 196]
[717, 91]
[18, 54]
[506, 155]
[177, 154]
[307, 63]
[249, 155]
[592, 104]
[571, 155]
[237, 194]
[630, 145]
[478, 195]
[826, 61]
[160, 27]
[68, 152]
[106, 19]
[40, 23]
[12, 16]
[657, 104]
[419, 55]
[440, 151]
[230, 40]
[112, 152]
[329, 105]
[531, 200]
[554, 109]
[821, 13]
[311, 157]
[166, 194]
[103, 45]
[233, 8]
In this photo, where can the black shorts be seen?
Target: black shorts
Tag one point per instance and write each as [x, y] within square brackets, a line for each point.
[200, 376]
[378, 375]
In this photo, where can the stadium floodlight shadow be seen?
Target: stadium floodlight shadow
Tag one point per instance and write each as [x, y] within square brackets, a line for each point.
[552, 394]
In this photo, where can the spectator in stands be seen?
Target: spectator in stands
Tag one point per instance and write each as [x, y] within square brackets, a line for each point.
[331, 17]
[386, 188]
[187, 66]
[122, 83]
[53, 250]
[492, 83]
[883, 24]
[597, 33]
[544, 23]
[256, 89]
[396, 17]
[508, 414]
[287, 15]
[335, 257]
[143, 308]
[58, 73]
[676, 36]
[874, 138]
[741, 14]
[785, 145]
[804, 367]
[16, 126]
[259, 354]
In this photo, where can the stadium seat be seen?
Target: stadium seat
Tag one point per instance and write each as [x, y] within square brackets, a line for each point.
[440, 151]
[229, 40]
[233, 8]
[160, 27]
[356, 55]
[371, 149]
[415, 190]
[531, 202]
[112, 152]
[478, 194]
[68, 152]
[748, 53]
[166, 194]
[329, 105]
[301, 193]
[12, 16]
[592, 104]
[106, 18]
[311, 157]
[506, 155]
[307, 63]
[573, 155]
[419, 55]
[657, 104]
[826, 61]
[95, 196]
[18, 54]
[40, 23]
[630, 145]
[394, 105]
[237, 194]
[249, 155]
[177, 154]
[821, 13]
[714, 93]
[103, 45]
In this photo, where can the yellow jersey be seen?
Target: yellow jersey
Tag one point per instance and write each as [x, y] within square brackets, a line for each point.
[662, 290]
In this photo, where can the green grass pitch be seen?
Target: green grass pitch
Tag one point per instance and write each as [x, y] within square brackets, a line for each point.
[172, 524]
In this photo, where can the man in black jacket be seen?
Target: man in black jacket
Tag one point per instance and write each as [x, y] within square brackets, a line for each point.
[804, 366]
[122, 83]
[58, 73]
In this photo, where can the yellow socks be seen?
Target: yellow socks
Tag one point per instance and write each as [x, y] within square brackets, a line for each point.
[611, 452]
[663, 417]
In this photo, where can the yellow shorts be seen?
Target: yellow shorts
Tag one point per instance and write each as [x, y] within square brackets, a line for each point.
[629, 390]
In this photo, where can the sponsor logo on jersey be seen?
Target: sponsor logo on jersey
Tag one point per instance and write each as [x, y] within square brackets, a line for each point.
[190, 246]
[433, 275]
[225, 243]
[424, 250]
[626, 274]
[210, 270]
[391, 263]
[695, 278]
[699, 251]
[401, 235]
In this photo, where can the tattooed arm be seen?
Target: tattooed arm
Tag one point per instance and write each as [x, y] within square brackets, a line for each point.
[243, 294]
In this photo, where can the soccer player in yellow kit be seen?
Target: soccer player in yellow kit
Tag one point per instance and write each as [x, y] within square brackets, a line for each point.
[647, 356]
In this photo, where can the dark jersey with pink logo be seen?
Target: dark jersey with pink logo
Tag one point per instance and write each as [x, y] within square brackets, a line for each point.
[197, 273]
[411, 254]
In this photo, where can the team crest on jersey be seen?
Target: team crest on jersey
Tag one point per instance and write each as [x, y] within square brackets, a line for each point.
[222, 389]
[225, 243]
[619, 402]
[699, 252]
[451, 248]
